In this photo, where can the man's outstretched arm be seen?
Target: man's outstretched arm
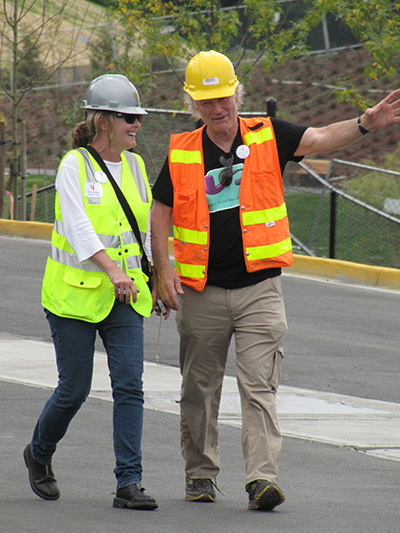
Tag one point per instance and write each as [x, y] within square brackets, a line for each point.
[340, 134]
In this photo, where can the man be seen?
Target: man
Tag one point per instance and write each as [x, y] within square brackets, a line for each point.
[222, 184]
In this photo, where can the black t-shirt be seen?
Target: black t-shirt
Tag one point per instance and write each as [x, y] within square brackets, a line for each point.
[226, 266]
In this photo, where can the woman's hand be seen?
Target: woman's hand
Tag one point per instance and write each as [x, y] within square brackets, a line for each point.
[124, 287]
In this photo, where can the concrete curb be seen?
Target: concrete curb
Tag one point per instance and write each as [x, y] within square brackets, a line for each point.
[28, 230]
[333, 269]
[382, 277]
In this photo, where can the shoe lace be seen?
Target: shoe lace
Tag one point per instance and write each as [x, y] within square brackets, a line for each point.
[48, 475]
[204, 483]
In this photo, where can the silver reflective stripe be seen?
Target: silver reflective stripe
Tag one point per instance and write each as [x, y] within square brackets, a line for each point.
[59, 227]
[128, 237]
[88, 165]
[137, 176]
[133, 262]
[71, 260]
[89, 174]
[109, 241]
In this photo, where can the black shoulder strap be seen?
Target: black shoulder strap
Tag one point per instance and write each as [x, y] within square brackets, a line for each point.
[122, 200]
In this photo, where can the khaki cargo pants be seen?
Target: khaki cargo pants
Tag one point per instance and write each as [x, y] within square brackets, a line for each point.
[206, 321]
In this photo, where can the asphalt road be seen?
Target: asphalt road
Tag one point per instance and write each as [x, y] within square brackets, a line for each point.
[342, 338]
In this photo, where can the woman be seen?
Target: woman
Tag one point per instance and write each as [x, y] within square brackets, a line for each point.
[94, 283]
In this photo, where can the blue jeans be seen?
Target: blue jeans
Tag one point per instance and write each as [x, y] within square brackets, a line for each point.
[74, 342]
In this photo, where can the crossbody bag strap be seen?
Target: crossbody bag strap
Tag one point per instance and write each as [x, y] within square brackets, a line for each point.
[122, 200]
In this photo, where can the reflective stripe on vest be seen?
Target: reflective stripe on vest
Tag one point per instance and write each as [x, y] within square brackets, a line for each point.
[258, 137]
[187, 157]
[266, 216]
[263, 215]
[190, 271]
[132, 255]
[190, 235]
[255, 253]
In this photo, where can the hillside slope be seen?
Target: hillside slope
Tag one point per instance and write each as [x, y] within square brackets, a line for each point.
[50, 115]
[81, 21]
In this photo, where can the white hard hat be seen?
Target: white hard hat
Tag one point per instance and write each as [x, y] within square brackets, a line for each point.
[113, 92]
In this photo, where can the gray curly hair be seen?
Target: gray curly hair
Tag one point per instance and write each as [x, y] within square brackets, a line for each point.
[192, 107]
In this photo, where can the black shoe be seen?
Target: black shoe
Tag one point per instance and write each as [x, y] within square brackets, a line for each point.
[264, 495]
[200, 490]
[133, 497]
[41, 477]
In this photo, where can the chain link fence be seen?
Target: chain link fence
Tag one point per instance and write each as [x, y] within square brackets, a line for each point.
[336, 209]
[340, 210]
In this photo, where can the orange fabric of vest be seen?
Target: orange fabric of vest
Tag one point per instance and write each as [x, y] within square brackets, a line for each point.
[261, 188]
[190, 210]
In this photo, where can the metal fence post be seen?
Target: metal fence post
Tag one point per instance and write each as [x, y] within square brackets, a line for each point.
[23, 170]
[2, 169]
[332, 228]
[271, 106]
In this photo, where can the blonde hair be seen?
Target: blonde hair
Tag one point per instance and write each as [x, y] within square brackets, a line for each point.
[87, 131]
[192, 107]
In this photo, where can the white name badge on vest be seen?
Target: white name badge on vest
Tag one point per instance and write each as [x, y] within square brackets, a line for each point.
[93, 190]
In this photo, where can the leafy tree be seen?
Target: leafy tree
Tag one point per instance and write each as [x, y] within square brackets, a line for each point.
[103, 52]
[262, 33]
[29, 38]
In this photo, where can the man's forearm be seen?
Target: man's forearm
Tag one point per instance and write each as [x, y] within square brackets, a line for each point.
[160, 223]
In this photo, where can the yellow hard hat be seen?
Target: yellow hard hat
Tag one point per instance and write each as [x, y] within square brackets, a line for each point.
[210, 75]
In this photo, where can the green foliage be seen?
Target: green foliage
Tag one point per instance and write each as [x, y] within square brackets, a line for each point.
[176, 31]
[169, 33]
[103, 54]
[30, 63]
[376, 23]
[104, 3]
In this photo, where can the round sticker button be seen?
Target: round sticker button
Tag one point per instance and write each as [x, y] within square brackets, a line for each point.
[100, 177]
[243, 151]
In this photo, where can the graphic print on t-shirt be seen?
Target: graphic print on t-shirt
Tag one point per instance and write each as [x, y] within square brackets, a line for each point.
[218, 196]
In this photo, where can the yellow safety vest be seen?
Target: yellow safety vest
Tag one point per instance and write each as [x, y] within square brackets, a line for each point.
[80, 290]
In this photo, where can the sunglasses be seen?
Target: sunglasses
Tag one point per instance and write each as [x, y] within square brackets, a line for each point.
[225, 176]
[129, 119]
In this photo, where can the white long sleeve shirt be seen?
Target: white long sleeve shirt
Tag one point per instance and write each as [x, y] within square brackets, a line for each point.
[77, 226]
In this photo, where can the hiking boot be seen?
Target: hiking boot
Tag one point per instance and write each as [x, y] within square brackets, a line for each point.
[200, 490]
[133, 497]
[41, 477]
[264, 495]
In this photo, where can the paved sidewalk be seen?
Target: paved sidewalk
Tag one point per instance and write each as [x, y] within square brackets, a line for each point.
[328, 488]
[370, 426]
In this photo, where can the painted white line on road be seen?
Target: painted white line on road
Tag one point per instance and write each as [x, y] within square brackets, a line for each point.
[370, 426]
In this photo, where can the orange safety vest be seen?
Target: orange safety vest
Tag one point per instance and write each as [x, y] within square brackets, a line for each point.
[263, 216]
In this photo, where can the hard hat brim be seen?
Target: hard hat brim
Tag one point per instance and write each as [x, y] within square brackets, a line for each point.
[126, 111]
[113, 92]
[209, 92]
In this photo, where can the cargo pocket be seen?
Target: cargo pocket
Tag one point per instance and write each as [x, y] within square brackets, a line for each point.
[185, 202]
[81, 297]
